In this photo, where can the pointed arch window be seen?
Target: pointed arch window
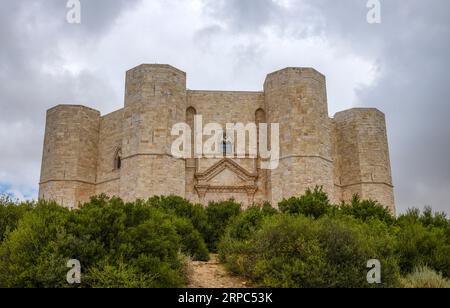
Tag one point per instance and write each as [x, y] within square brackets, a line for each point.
[260, 117]
[190, 120]
[118, 159]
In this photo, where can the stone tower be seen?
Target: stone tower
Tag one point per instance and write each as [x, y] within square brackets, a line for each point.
[70, 154]
[155, 100]
[362, 159]
[296, 99]
[127, 153]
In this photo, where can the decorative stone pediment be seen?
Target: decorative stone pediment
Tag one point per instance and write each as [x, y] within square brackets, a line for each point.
[226, 177]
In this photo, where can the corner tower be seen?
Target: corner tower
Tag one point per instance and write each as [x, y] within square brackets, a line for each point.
[296, 99]
[362, 161]
[155, 100]
[69, 162]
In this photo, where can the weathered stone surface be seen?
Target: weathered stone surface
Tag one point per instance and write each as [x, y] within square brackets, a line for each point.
[346, 154]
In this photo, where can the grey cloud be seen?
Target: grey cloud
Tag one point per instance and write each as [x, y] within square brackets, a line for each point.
[248, 15]
[410, 47]
[31, 33]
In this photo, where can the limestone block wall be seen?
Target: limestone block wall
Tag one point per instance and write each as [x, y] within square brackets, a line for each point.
[296, 98]
[110, 144]
[224, 107]
[69, 162]
[155, 100]
[362, 159]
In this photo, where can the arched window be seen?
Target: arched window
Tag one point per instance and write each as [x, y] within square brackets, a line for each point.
[190, 120]
[260, 117]
[118, 159]
[227, 146]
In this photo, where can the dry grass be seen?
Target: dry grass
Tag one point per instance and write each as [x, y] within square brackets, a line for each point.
[425, 278]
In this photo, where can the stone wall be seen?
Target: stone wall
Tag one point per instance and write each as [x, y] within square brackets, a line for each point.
[155, 100]
[69, 163]
[296, 99]
[224, 107]
[110, 144]
[362, 159]
[347, 154]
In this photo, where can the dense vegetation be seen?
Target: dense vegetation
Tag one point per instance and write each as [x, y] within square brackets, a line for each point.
[308, 242]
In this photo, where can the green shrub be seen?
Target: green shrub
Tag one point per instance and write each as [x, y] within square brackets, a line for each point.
[427, 218]
[196, 213]
[314, 203]
[423, 240]
[297, 251]
[237, 256]
[219, 215]
[425, 278]
[309, 243]
[192, 242]
[28, 256]
[288, 254]
[117, 241]
[248, 222]
[268, 210]
[119, 276]
[418, 245]
[366, 210]
[192, 224]
[242, 228]
[350, 243]
[10, 214]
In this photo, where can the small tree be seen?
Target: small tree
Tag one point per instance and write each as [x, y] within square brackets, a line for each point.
[314, 203]
[366, 210]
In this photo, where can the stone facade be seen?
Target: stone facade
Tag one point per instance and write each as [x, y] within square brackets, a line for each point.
[128, 153]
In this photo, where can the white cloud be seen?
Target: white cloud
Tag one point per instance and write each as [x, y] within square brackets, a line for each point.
[213, 57]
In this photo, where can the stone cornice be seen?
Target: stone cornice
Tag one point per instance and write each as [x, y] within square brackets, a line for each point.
[222, 165]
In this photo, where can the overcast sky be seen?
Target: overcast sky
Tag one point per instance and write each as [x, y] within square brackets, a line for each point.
[400, 66]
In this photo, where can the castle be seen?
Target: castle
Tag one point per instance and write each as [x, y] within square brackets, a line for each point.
[127, 153]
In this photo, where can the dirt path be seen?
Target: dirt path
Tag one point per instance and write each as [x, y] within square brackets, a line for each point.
[212, 274]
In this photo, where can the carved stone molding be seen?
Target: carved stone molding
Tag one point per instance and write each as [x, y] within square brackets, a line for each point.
[246, 186]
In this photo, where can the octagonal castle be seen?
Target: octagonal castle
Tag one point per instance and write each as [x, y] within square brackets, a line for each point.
[127, 153]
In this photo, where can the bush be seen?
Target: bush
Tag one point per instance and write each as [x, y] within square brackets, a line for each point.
[425, 278]
[192, 225]
[219, 215]
[421, 245]
[10, 214]
[122, 244]
[300, 252]
[119, 276]
[248, 222]
[309, 243]
[196, 213]
[192, 242]
[366, 210]
[28, 256]
[314, 203]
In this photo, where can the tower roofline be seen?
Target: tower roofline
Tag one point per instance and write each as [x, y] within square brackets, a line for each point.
[156, 65]
[359, 109]
[299, 69]
[72, 106]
